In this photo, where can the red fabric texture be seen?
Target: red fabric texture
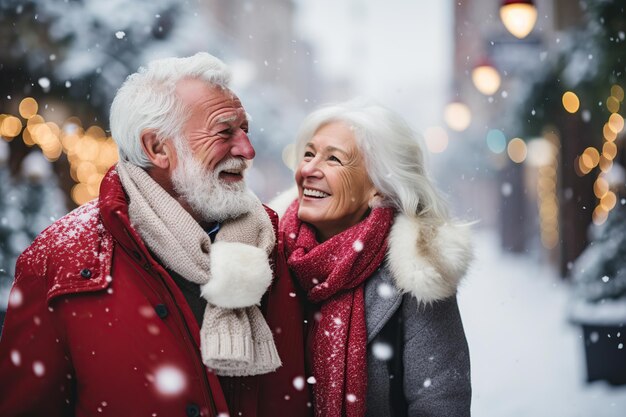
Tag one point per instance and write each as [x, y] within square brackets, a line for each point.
[96, 326]
[333, 273]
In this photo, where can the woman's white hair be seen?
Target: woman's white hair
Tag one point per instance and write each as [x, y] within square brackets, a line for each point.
[147, 100]
[393, 155]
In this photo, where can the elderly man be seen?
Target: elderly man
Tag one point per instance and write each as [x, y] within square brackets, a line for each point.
[147, 301]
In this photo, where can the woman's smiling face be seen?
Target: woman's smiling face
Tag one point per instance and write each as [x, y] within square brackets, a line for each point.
[333, 186]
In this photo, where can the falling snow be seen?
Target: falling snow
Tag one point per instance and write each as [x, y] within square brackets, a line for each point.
[382, 351]
[16, 358]
[298, 383]
[385, 290]
[39, 369]
[169, 380]
[44, 83]
[120, 34]
[357, 245]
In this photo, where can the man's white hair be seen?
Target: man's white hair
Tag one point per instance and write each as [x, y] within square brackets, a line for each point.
[392, 152]
[147, 100]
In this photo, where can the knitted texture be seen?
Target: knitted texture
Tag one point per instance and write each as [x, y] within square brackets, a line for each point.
[234, 341]
[333, 275]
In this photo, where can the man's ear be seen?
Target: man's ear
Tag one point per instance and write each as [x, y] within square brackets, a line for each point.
[157, 151]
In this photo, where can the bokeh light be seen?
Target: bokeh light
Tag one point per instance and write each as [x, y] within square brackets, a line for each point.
[571, 103]
[496, 141]
[612, 104]
[436, 139]
[11, 127]
[617, 92]
[28, 107]
[486, 79]
[517, 150]
[616, 122]
[457, 116]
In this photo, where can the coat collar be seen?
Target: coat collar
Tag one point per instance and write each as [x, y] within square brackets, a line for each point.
[424, 260]
[79, 246]
[74, 253]
[428, 261]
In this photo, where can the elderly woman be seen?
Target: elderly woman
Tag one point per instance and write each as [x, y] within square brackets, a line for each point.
[370, 242]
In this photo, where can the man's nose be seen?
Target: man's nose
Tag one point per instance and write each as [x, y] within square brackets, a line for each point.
[242, 147]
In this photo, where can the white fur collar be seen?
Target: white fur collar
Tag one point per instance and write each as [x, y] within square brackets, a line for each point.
[426, 261]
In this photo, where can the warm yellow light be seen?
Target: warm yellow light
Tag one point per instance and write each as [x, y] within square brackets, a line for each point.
[549, 240]
[93, 183]
[85, 170]
[609, 150]
[605, 164]
[86, 148]
[28, 107]
[609, 135]
[617, 92]
[540, 152]
[457, 116]
[108, 156]
[95, 132]
[570, 102]
[519, 18]
[486, 79]
[612, 104]
[580, 167]
[73, 121]
[608, 201]
[600, 187]
[69, 141]
[35, 120]
[11, 127]
[616, 122]
[517, 150]
[52, 151]
[436, 139]
[599, 215]
[80, 194]
[590, 157]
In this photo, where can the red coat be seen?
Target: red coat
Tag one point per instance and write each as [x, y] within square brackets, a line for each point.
[97, 327]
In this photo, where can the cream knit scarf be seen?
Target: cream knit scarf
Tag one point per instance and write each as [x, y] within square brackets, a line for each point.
[233, 272]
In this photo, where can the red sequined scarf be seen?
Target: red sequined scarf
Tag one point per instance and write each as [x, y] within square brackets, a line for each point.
[333, 273]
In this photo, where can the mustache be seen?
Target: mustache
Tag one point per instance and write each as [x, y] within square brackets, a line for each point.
[239, 164]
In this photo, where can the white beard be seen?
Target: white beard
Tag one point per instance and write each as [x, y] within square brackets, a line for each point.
[210, 198]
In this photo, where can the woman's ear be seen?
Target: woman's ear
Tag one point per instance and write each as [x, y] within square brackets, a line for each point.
[157, 151]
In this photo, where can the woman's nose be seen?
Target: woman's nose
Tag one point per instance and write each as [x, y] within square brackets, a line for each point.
[310, 168]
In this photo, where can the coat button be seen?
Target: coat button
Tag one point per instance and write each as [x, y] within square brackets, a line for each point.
[161, 310]
[192, 410]
[85, 273]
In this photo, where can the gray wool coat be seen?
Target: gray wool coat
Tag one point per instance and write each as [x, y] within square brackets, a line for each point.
[435, 356]
[419, 280]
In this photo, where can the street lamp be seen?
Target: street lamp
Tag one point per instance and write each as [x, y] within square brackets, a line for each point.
[486, 78]
[518, 16]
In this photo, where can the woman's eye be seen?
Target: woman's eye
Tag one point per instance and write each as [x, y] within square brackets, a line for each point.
[308, 154]
[334, 158]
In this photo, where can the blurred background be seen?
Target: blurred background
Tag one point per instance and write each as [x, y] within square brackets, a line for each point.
[519, 103]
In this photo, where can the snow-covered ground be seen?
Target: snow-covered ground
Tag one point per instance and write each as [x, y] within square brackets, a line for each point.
[527, 360]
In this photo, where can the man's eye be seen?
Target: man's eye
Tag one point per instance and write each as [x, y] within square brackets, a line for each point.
[308, 154]
[225, 132]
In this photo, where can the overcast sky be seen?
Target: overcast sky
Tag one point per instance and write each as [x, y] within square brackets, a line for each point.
[397, 51]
